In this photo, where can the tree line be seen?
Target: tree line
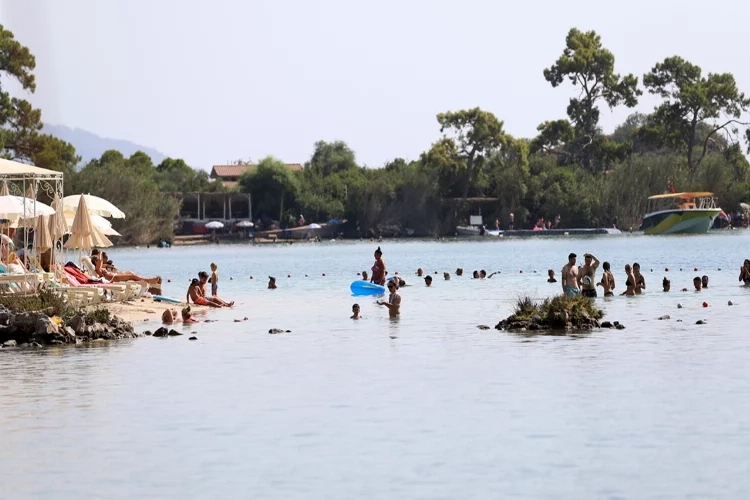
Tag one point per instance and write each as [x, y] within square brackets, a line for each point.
[695, 139]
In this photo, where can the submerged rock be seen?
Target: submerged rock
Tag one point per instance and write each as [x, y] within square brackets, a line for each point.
[161, 332]
[193, 338]
[701, 322]
[483, 327]
[275, 331]
[174, 333]
[662, 318]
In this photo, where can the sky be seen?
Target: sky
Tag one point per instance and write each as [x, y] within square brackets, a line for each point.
[222, 80]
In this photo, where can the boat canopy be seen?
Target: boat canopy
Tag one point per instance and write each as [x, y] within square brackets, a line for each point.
[683, 196]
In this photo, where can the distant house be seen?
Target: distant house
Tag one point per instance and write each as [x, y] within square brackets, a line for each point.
[230, 174]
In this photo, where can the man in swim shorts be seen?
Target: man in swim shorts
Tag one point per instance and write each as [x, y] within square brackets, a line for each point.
[570, 277]
[587, 275]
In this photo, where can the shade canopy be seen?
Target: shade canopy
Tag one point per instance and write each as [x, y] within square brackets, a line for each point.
[245, 223]
[214, 225]
[84, 233]
[18, 207]
[10, 168]
[96, 205]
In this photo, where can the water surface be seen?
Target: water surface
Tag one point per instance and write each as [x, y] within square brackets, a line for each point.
[425, 407]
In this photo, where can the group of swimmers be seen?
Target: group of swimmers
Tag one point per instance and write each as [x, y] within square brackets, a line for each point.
[581, 280]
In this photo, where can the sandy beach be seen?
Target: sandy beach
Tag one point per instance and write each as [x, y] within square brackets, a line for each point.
[140, 311]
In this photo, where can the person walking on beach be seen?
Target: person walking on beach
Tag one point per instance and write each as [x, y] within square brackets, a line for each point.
[214, 279]
[587, 275]
[394, 301]
[570, 277]
[378, 269]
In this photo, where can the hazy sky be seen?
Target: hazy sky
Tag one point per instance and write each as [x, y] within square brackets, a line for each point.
[211, 81]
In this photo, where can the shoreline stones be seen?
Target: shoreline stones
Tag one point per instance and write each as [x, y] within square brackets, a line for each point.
[38, 328]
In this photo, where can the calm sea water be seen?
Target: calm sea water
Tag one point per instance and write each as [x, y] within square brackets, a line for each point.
[425, 407]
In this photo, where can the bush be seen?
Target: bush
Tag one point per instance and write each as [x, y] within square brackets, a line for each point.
[98, 315]
[46, 299]
[575, 307]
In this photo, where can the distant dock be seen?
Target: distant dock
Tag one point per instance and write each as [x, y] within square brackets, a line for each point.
[561, 232]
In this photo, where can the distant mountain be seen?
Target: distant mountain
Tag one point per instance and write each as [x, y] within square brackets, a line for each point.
[89, 146]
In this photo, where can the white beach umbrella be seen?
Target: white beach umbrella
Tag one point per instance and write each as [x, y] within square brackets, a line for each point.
[245, 223]
[314, 226]
[96, 205]
[102, 224]
[214, 225]
[4, 189]
[84, 234]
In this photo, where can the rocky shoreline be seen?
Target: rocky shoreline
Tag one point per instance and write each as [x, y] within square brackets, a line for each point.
[40, 328]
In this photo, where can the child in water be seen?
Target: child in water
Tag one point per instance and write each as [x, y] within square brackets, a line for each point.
[214, 279]
[187, 317]
[551, 274]
[355, 311]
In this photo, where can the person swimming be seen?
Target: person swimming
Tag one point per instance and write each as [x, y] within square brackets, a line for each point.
[460, 271]
[704, 281]
[482, 274]
[355, 312]
[420, 272]
[428, 280]
[745, 273]
[169, 317]
[446, 276]
[608, 280]
[551, 278]
[271, 283]
[697, 284]
[666, 284]
[187, 317]
[475, 275]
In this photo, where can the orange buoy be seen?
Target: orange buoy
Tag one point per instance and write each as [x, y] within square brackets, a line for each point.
[705, 304]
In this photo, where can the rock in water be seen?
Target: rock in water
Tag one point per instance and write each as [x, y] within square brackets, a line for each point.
[679, 306]
[662, 318]
[161, 332]
[700, 322]
[483, 327]
[620, 326]
[193, 338]
[147, 333]
[173, 333]
[606, 324]
[730, 303]
[275, 331]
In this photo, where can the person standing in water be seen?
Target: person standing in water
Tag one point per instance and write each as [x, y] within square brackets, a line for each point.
[570, 277]
[608, 280]
[587, 275]
[394, 301]
[629, 282]
[378, 269]
[640, 281]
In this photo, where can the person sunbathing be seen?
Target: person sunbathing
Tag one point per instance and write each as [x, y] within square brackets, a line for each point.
[112, 277]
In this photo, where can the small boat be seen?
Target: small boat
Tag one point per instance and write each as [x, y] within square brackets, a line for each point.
[680, 213]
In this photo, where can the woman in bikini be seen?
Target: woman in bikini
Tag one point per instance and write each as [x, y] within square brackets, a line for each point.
[640, 281]
[629, 282]
[118, 277]
[378, 269]
[745, 272]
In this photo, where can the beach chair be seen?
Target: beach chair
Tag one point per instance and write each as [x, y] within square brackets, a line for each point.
[119, 292]
[135, 288]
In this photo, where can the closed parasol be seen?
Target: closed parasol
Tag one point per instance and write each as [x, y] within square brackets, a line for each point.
[42, 238]
[84, 234]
